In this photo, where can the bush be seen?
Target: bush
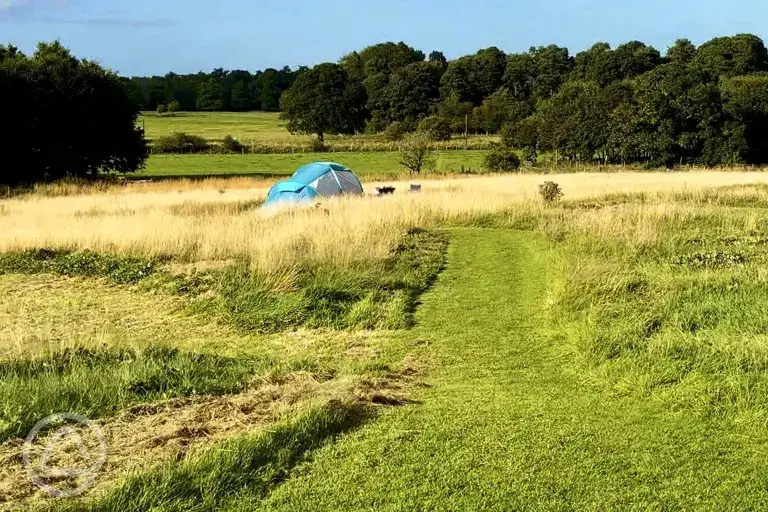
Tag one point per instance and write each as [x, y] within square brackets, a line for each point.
[318, 146]
[550, 191]
[162, 109]
[436, 127]
[180, 143]
[416, 153]
[231, 145]
[530, 155]
[395, 131]
[501, 159]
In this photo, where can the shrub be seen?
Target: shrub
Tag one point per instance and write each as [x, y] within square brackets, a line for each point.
[173, 106]
[318, 146]
[416, 153]
[550, 191]
[180, 143]
[436, 127]
[231, 145]
[395, 131]
[501, 159]
[530, 155]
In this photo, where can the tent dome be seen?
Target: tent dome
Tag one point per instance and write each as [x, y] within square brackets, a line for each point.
[319, 179]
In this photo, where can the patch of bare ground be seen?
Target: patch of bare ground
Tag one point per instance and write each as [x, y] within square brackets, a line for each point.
[150, 435]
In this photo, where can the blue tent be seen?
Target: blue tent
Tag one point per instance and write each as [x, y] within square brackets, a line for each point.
[319, 179]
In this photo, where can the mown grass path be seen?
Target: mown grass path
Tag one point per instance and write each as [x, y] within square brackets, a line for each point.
[505, 427]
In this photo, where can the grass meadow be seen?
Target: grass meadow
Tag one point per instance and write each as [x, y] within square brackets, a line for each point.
[371, 164]
[216, 125]
[467, 347]
[247, 127]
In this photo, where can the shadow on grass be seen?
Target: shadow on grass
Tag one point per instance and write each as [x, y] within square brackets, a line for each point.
[235, 473]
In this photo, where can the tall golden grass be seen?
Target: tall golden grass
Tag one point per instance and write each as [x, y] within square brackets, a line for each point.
[214, 220]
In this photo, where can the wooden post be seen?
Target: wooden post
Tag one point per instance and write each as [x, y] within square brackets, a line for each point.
[466, 132]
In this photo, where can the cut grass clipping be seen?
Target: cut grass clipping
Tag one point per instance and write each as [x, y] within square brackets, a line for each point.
[96, 383]
[237, 473]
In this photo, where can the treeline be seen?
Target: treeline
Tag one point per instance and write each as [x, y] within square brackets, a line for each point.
[234, 91]
[64, 117]
[706, 104]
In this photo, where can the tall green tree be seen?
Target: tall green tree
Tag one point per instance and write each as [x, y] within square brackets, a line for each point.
[732, 56]
[325, 100]
[574, 121]
[475, 77]
[520, 75]
[270, 90]
[499, 109]
[209, 96]
[70, 117]
[552, 66]
[745, 100]
[679, 116]
[682, 52]
[411, 92]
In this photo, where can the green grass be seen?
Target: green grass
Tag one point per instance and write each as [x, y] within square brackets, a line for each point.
[121, 270]
[99, 382]
[241, 469]
[363, 163]
[381, 297]
[507, 423]
[216, 125]
[568, 370]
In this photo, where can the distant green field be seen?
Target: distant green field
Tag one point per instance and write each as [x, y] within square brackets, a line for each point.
[215, 125]
[371, 163]
[258, 127]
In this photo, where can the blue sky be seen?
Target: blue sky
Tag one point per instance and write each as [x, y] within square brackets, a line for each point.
[157, 36]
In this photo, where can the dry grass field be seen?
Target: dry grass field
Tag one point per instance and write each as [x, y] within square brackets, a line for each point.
[220, 344]
[222, 219]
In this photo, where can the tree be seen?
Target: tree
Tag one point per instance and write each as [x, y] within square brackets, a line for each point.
[552, 66]
[574, 121]
[411, 92]
[438, 60]
[395, 131]
[209, 96]
[682, 52]
[241, 95]
[745, 100]
[474, 77]
[399, 85]
[635, 58]
[70, 117]
[324, 100]
[436, 128]
[732, 56]
[501, 159]
[416, 152]
[270, 90]
[162, 108]
[678, 116]
[502, 108]
[604, 66]
[173, 106]
[387, 58]
[520, 75]
[453, 110]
